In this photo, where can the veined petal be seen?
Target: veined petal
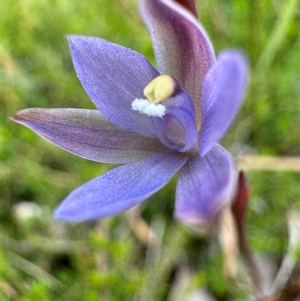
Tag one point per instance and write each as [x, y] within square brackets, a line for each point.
[181, 46]
[113, 76]
[88, 134]
[121, 188]
[177, 128]
[204, 185]
[222, 94]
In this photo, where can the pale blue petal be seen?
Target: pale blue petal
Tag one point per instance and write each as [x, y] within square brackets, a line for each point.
[88, 134]
[222, 94]
[205, 185]
[113, 76]
[120, 189]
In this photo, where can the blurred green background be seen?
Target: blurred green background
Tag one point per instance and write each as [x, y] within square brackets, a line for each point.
[44, 260]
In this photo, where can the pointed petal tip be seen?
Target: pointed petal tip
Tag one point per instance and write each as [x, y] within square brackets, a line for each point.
[23, 115]
[73, 38]
[69, 213]
[17, 117]
[14, 118]
[61, 214]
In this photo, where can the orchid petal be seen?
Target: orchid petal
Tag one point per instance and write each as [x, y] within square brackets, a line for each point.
[205, 184]
[113, 76]
[121, 188]
[88, 134]
[177, 128]
[181, 45]
[222, 94]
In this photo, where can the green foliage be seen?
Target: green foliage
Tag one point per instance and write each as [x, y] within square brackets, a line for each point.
[45, 260]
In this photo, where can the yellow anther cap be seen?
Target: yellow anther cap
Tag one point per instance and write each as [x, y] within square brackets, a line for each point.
[160, 88]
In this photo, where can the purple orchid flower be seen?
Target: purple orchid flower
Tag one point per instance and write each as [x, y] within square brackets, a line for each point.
[154, 122]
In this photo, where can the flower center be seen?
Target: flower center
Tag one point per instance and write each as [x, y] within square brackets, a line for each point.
[159, 89]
